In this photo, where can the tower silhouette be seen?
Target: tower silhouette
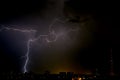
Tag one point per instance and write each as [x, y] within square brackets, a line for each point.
[111, 64]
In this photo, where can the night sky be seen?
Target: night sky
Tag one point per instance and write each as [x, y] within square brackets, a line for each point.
[83, 50]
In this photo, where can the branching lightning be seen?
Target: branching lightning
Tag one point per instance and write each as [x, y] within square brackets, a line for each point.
[27, 55]
[31, 40]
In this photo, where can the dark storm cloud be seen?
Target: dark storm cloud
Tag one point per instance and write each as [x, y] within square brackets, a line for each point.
[90, 51]
[10, 10]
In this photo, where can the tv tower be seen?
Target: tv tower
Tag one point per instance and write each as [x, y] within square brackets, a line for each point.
[111, 64]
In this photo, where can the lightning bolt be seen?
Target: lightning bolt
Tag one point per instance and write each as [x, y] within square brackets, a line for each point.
[31, 40]
[27, 55]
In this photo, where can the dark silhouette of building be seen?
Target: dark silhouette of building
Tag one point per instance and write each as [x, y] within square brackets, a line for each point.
[60, 76]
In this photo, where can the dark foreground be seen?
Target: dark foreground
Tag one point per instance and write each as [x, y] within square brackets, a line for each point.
[48, 76]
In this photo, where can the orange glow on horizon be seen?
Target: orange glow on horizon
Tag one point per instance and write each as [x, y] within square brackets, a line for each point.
[76, 78]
